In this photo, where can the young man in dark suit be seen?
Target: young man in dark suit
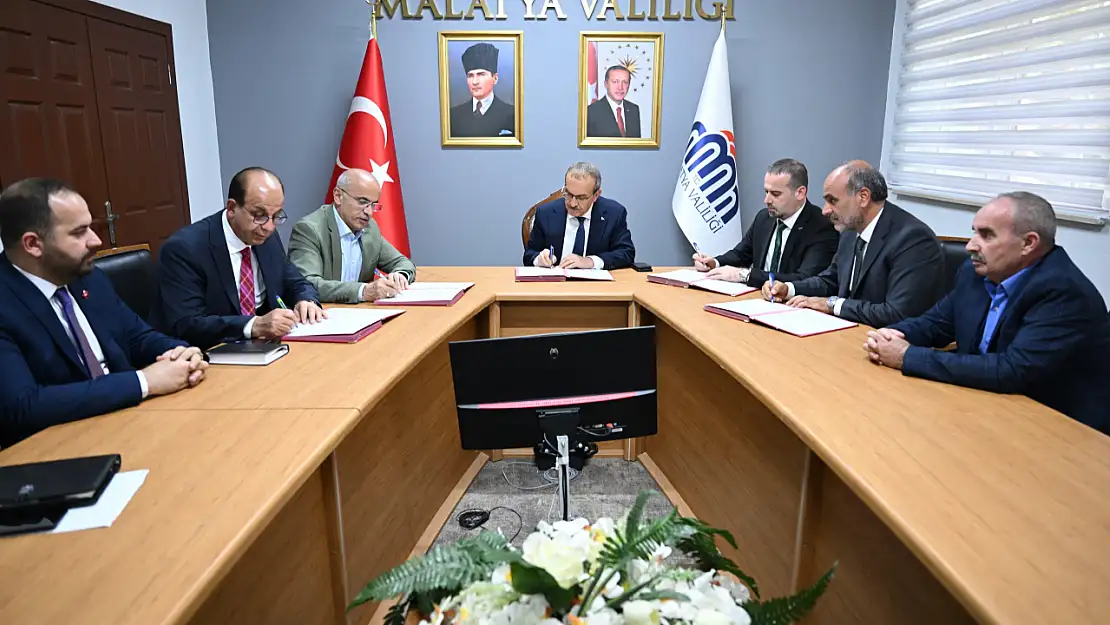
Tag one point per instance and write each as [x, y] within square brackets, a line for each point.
[484, 114]
[888, 265]
[226, 277]
[791, 239]
[613, 115]
[69, 347]
[585, 230]
[1024, 318]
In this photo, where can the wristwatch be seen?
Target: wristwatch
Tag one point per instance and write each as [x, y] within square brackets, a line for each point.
[831, 303]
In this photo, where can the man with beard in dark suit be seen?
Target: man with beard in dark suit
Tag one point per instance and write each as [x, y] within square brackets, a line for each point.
[485, 115]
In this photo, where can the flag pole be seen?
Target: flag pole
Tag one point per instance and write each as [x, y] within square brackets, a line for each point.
[373, 18]
[724, 14]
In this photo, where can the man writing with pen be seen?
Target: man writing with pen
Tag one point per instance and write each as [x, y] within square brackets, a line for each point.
[226, 277]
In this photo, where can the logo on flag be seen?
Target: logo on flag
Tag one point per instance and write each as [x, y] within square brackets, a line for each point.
[706, 200]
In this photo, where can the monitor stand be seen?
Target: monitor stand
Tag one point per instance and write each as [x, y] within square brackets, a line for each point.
[563, 464]
[561, 423]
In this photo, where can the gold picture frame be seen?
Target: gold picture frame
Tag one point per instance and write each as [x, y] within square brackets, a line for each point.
[459, 123]
[641, 56]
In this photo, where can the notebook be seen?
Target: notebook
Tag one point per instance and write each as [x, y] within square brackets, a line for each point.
[690, 277]
[35, 496]
[796, 321]
[428, 294]
[251, 353]
[558, 274]
[343, 325]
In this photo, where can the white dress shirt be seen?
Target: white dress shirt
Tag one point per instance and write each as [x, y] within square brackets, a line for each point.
[866, 235]
[48, 289]
[486, 102]
[350, 247]
[568, 239]
[235, 247]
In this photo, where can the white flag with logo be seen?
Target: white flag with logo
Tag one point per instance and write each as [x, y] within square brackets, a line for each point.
[706, 201]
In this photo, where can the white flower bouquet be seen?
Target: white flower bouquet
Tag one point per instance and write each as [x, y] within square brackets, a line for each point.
[578, 573]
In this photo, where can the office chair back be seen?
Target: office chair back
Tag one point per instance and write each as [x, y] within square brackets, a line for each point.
[530, 216]
[131, 270]
[954, 252]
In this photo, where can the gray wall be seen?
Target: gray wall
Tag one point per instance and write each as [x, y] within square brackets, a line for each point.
[808, 81]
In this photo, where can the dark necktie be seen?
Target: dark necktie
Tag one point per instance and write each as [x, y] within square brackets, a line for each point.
[580, 237]
[776, 251]
[92, 365]
[478, 108]
[857, 263]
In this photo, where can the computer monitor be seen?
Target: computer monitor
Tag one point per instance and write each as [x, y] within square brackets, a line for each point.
[591, 386]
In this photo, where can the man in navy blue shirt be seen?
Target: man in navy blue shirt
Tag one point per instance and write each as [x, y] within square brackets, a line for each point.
[1024, 318]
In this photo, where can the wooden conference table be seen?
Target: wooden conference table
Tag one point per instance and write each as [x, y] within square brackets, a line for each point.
[275, 493]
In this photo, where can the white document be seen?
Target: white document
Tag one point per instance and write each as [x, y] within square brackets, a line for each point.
[688, 276]
[805, 322]
[753, 307]
[343, 321]
[422, 296]
[437, 286]
[540, 272]
[106, 509]
[724, 287]
[589, 274]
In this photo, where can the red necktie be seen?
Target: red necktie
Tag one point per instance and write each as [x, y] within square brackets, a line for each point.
[620, 120]
[246, 284]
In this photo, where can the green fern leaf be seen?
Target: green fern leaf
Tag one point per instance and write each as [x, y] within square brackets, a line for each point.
[786, 610]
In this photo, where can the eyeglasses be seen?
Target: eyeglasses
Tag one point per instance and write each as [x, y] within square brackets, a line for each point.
[260, 219]
[577, 198]
[363, 202]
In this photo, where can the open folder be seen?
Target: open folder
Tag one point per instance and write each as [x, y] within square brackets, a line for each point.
[343, 325]
[690, 277]
[428, 294]
[558, 274]
[796, 321]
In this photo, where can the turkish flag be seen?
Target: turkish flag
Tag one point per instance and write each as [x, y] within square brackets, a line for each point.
[368, 144]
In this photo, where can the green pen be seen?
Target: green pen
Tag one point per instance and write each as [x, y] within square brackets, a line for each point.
[281, 303]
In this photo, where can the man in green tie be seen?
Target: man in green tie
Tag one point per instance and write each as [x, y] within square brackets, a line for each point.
[791, 239]
[339, 248]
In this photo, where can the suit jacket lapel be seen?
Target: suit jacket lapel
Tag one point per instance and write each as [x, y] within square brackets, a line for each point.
[333, 252]
[761, 238]
[796, 234]
[222, 257]
[271, 270]
[597, 229]
[559, 230]
[40, 309]
[874, 247]
[93, 307]
[844, 263]
[370, 251]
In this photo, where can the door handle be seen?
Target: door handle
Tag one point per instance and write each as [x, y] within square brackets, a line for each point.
[112, 217]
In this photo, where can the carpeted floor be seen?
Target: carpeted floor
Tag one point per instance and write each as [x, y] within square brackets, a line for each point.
[606, 487]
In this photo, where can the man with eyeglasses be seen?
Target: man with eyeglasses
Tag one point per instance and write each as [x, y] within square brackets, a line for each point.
[226, 277]
[582, 230]
[338, 247]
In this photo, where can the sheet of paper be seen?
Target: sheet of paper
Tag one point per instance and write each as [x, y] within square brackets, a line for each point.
[342, 321]
[438, 286]
[589, 274]
[725, 287]
[106, 509]
[418, 296]
[805, 322]
[539, 272]
[682, 275]
[753, 307]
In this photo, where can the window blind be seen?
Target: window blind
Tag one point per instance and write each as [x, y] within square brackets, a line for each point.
[1005, 95]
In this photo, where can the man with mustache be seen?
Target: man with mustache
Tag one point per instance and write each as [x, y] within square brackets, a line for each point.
[791, 239]
[69, 347]
[338, 247]
[888, 265]
[1024, 318]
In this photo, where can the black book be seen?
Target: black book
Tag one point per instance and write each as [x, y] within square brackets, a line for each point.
[255, 353]
[34, 497]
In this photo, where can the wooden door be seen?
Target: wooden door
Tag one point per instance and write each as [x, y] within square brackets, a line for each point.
[50, 126]
[141, 132]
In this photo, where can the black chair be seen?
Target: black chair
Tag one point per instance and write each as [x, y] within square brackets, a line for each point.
[131, 270]
[954, 252]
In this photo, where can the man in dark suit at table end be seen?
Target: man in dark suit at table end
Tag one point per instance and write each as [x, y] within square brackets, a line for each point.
[226, 277]
[614, 115]
[69, 347]
[585, 230]
[791, 239]
[1024, 318]
[888, 265]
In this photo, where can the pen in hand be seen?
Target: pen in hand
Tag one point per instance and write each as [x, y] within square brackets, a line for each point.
[771, 290]
[551, 255]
